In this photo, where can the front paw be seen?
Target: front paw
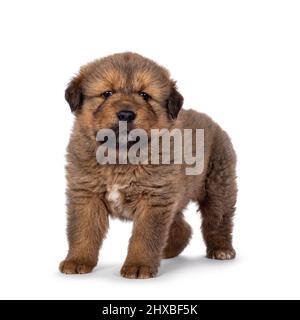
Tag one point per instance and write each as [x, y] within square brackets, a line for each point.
[138, 271]
[221, 254]
[75, 267]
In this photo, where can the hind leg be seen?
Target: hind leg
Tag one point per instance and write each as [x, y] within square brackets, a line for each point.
[179, 236]
[217, 210]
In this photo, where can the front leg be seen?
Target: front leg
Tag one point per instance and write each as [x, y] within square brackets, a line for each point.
[87, 227]
[149, 238]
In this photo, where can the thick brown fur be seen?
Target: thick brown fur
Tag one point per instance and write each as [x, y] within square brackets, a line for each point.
[153, 196]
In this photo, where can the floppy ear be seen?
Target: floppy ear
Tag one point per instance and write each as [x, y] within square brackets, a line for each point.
[74, 94]
[174, 102]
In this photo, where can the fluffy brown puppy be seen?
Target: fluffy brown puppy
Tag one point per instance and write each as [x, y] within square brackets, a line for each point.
[153, 196]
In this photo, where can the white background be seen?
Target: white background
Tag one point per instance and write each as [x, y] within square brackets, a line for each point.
[238, 61]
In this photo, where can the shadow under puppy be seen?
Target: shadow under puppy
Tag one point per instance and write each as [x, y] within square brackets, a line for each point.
[134, 89]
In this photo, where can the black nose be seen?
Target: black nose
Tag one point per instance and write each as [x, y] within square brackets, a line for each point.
[126, 115]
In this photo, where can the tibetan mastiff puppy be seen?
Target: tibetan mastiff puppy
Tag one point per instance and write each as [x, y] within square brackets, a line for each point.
[133, 89]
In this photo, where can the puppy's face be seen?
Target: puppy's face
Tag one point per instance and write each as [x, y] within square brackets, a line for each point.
[124, 87]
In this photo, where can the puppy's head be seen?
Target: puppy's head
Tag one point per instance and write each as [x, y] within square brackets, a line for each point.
[124, 87]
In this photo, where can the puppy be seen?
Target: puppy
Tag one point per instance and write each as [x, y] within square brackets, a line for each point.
[130, 88]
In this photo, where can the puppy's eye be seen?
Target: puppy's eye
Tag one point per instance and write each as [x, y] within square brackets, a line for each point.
[145, 95]
[107, 94]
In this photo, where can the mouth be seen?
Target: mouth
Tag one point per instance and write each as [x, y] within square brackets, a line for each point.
[123, 127]
[122, 137]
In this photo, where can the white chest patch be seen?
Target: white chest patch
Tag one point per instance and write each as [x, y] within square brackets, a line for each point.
[114, 195]
[115, 198]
